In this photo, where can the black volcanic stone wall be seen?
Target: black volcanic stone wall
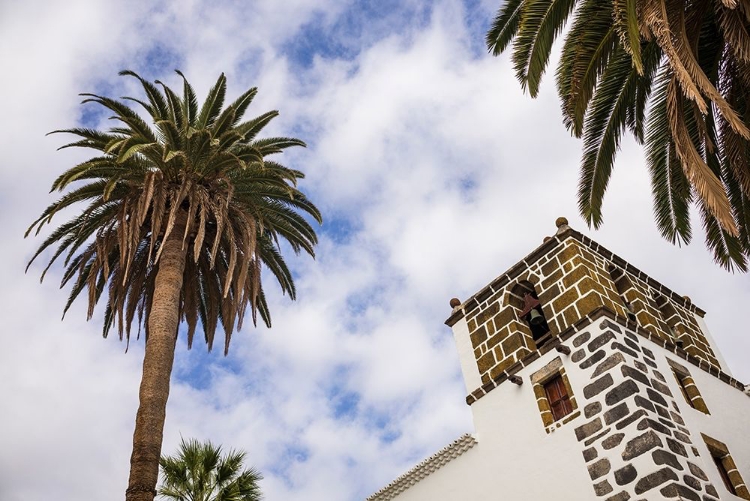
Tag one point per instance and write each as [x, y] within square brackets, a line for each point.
[634, 441]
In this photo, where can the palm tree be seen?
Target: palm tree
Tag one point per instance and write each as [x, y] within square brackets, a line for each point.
[676, 75]
[177, 221]
[200, 472]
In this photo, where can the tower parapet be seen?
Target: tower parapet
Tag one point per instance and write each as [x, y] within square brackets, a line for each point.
[573, 277]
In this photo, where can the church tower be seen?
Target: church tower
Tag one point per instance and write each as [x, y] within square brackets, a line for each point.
[587, 379]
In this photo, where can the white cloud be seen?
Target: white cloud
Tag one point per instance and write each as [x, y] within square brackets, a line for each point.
[446, 174]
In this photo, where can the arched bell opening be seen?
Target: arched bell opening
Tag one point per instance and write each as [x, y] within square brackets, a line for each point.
[623, 285]
[524, 298]
[670, 317]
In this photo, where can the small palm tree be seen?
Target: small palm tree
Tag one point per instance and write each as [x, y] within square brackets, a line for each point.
[691, 60]
[199, 472]
[177, 223]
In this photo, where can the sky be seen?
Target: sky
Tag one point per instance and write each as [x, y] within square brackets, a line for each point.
[434, 173]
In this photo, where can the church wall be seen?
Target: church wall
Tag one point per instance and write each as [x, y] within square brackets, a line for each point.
[636, 438]
[465, 350]
[709, 337]
[453, 482]
[728, 421]
[651, 398]
[529, 462]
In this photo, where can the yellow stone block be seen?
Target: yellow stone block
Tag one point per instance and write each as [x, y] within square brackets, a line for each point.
[569, 252]
[501, 367]
[570, 315]
[486, 362]
[588, 303]
[566, 299]
[575, 275]
[551, 279]
[550, 266]
[588, 284]
[513, 342]
[495, 340]
[504, 318]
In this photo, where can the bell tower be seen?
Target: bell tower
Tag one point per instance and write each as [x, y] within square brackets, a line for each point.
[565, 282]
[597, 340]
[587, 379]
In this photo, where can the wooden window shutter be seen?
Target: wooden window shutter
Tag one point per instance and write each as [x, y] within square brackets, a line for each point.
[558, 398]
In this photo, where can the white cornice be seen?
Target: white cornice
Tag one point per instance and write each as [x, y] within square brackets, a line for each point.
[425, 468]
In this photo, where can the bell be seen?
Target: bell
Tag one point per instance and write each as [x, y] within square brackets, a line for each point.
[535, 318]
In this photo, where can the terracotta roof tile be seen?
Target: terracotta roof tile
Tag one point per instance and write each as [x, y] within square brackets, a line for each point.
[425, 468]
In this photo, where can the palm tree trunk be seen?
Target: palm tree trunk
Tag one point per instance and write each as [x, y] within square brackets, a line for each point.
[163, 322]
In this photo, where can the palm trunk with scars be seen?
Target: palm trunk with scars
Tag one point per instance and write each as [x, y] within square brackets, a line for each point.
[163, 323]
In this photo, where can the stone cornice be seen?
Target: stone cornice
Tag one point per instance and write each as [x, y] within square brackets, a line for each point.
[425, 468]
[500, 282]
[582, 324]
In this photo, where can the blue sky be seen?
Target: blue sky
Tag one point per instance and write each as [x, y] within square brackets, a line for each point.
[434, 172]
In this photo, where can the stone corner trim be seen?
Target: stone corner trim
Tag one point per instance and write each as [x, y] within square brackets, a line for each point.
[611, 321]
[425, 468]
[500, 282]
[547, 247]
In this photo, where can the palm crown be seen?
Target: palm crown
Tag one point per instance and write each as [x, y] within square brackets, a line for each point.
[691, 61]
[200, 472]
[200, 172]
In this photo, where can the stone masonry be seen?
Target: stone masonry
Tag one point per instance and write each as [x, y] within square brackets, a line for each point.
[573, 276]
[617, 374]
[633, 440]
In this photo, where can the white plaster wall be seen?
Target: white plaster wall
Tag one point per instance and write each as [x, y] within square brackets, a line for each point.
[532, 464]
[729, 421]
[516, 460]
[707, 333]
[472, 378]
[455, 481]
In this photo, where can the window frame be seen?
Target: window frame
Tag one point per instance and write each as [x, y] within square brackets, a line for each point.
[539, 379]
[726, 467]
[680, 378]
[723, 473]
[688, 387]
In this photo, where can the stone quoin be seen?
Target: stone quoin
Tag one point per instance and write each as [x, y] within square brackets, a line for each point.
[587, 379]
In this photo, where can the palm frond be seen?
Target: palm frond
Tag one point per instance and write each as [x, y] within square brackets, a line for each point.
[670, 188]
[727, 248]
[586, 52]
[504, 27]
[606, 121]
[214, 101]
[159, 109]
[189, 102]
[541, 22]
[707, 185]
